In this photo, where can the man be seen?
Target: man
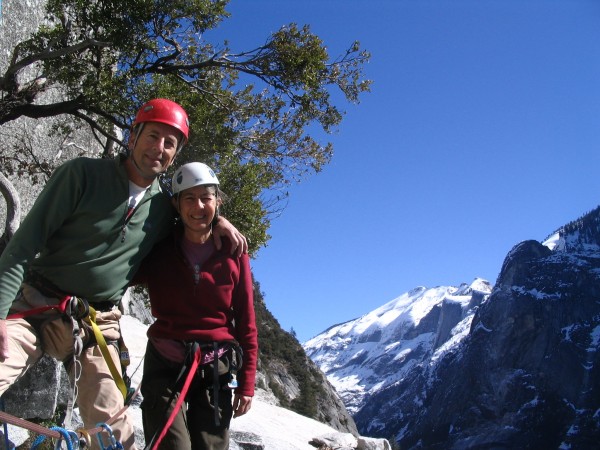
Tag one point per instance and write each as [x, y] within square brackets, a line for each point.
[90, 228]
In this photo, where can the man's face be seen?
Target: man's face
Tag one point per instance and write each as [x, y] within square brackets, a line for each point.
[155, 148]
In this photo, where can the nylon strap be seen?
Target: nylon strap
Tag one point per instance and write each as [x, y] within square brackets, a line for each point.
[67, 422]
[61, 307]
[91, 320]
[216, 386]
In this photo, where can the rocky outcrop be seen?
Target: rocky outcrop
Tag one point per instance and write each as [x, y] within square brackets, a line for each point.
[39, 391]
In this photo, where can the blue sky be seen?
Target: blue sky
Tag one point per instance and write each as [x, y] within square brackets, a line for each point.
[482, 130]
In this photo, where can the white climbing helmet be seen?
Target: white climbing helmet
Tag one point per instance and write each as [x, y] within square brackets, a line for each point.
[193, 174]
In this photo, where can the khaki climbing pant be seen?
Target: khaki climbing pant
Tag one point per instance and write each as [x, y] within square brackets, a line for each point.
[98, 397]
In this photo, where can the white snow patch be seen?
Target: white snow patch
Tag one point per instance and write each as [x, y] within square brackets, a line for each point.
[555, 242]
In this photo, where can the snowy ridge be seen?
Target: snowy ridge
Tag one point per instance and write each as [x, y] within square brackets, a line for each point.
[362, 356]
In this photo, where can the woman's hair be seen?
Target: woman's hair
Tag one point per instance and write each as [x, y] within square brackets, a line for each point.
[221, 198]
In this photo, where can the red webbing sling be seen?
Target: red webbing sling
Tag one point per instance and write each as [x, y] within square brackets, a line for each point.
[60, 307]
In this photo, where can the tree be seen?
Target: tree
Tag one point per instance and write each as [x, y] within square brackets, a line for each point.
[250, 111]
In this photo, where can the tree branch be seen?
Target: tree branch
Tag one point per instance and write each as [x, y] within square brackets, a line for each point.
[51, 54]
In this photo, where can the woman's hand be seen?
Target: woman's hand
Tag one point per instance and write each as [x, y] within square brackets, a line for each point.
[241, 405]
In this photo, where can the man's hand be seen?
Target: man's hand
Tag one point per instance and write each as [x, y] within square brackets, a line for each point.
[241, 405]
[239, 245]
[3, 341]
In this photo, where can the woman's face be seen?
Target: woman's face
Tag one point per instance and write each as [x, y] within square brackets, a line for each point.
[197, 207]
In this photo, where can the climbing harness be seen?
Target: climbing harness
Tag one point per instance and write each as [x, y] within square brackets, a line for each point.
[78, 309]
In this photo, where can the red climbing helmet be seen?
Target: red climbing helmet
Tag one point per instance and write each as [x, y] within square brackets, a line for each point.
[164, 111]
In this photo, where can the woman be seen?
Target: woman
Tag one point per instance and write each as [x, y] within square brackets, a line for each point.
[202, 299]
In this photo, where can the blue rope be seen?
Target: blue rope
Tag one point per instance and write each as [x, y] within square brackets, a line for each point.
[66, 435]
[74, 439]
[38, 441]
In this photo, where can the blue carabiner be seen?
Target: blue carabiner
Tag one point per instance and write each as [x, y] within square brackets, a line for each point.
[114, 445]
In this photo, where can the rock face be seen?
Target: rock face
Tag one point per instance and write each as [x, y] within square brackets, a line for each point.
[46, 386]
[527, 375]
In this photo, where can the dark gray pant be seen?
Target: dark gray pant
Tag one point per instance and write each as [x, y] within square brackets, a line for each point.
[194, 426]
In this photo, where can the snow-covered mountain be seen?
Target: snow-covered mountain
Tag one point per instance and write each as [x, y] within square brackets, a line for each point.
[461, 368]
[363, 356]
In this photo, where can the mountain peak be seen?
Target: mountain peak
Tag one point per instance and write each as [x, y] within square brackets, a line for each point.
[385, 343]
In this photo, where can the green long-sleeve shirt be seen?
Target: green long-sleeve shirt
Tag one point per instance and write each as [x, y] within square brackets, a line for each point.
[79, 231]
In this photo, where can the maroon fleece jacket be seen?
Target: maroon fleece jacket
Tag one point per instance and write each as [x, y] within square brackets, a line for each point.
[219, 308]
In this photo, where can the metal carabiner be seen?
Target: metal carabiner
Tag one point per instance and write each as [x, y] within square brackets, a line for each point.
[79, 307]
[85, 440]
[114, 445]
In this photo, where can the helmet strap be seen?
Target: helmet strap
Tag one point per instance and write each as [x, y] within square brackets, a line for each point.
[137, 131]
